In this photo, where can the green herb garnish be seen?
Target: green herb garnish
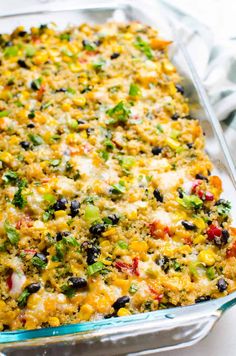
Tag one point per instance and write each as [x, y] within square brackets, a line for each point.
[144, 47]
[12, 233]
[118, 113]
[36, 139]
[95, 267]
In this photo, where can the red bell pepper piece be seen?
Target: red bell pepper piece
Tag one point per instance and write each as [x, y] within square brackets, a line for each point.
[231, 251]
[158, 296]
[213, 231]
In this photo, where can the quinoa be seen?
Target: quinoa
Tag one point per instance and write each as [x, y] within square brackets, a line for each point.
[108, 204]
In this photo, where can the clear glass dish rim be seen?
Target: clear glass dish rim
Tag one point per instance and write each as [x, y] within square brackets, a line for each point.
[222, 304]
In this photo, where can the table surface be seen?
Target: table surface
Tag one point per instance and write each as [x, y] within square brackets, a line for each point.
[221, 340]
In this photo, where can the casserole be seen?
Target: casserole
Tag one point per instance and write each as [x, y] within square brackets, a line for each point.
[150, 319]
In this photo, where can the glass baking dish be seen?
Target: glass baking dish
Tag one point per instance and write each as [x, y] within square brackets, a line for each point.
[151, 332]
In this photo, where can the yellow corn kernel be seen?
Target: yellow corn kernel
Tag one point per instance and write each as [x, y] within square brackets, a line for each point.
[75, 68]
[132, 215]
[41, 58]
[84, 134]
[200, 223]
[79, 101]
[123, 312]
[33, 301]
[122, 283]
[50, 305]
[139, 246]
[2, 304]
[185, 249]
[53, 321]
[172, 143]
[199, 239]
[109, 232]
[168, 67]
[85, 312]
[128, 36]
[105, 243]
[6, 157]
[66, 107]
[25, 94]
[207, 257]
[60, 213]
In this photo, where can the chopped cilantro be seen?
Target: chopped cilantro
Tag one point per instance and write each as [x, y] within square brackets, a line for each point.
[190, 202]
[134, 90]
[144, 47]
[95, 267]
[35, 139]
[12, 233]
[22, 300]
[118, 113]
[118, 188]
[9, 177]
[19, 200]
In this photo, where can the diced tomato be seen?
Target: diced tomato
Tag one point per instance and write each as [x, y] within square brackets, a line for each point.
[135, 266]
[231, 251]
[196, 183]
[209, 196]
[122, 265]
[213, 231]
[158, 231]
[9, 282]
[30, 251]
[40, 92]
[158, 296]
[132, 268]
[25, 220]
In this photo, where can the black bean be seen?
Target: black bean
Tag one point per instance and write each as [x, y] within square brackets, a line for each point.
[41, 256]
[31, 115]
[78, 282]
[62, 234]
[92, 254]
[188, 225]
[33, 287]
[114, 218]
[61, 90]
[222, 285]
[25, 145]
[180, 193]
[164, 263]
[189, 145]
[223, 239]
[180, 88]
[175, 117]
[115, 55]
[121, 302]
[8, 44]
[203, 298]
[225, 236]
[201, 177]
[220, 201]
[156, 150]
[81, 122]
[60, 204]
[74, 208]
[30, 126]
[22, 63]
[97, 229]
[22, 33]
[111, 315]
[89, 131]
[158, 196]
[98, 43]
